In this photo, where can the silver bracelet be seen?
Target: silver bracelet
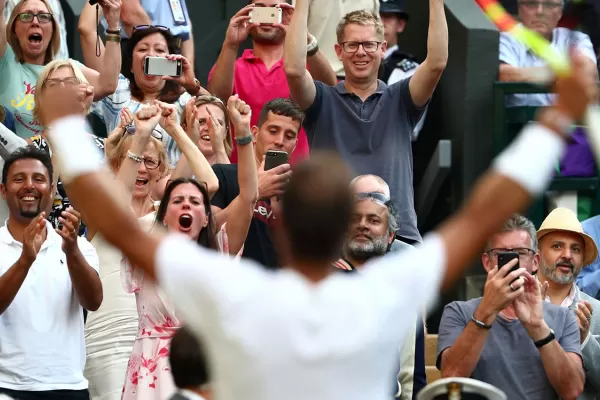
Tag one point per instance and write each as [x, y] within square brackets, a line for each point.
[134, 157]
[479, 323]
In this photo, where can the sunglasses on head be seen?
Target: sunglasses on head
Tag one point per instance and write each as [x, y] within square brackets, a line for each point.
[377, 197]
[142, 27]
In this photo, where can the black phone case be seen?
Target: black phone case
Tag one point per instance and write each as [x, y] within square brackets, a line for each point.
[505, 258]
[273, 160]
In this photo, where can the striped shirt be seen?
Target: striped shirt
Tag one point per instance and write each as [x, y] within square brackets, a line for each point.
[109, 111]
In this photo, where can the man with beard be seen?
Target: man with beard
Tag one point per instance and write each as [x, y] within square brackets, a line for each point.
[490, 338]
[258, 75]
[46, 277]
[564, 250]
[372, 233]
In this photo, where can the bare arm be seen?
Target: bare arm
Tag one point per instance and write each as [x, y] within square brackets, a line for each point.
[105, 77]
[426, 77]
[133, 14]
[87, 34]
[300, 81]
[321, 70]
[221, 81]
[11, 282]
[85, 279]
[187, 48]
[509, 73]
[461, 359]
[564, 370]
[241, 208]
[3, 41]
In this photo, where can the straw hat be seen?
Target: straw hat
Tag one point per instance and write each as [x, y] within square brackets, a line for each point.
[563, 219]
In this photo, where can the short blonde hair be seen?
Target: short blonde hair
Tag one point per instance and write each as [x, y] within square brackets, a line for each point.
[215, 101]
[48, 70]
[13, 41]
[360, 17]
[117, 145]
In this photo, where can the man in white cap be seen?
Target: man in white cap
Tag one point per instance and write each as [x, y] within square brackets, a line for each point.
[564, 250]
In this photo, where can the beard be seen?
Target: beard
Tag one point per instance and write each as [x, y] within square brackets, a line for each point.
[31, 212]
[377, 247]
[552, 272]
[276, 36]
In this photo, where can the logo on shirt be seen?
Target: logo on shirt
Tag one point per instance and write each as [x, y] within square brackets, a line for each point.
[26, 102]
[263, 212]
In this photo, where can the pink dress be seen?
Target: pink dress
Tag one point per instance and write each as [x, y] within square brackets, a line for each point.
[148, 374]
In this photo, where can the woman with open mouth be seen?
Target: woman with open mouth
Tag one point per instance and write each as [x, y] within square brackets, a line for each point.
[31, 42]
[135, 88]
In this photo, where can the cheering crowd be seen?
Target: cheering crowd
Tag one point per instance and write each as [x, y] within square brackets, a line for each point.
[255, 236]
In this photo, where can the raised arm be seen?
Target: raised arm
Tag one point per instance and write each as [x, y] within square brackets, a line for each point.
[133, 14]
[300, 81]
[241, 209]
[102, 72]
[220, 83]
[426, 77]
[200, 167]
[3, 42]
[88, 36]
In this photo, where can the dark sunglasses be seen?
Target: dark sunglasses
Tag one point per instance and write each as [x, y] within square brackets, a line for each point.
[378, 197]
[142, 27]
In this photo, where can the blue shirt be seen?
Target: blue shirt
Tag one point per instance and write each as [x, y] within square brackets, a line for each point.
[159, 12]
[588, 279]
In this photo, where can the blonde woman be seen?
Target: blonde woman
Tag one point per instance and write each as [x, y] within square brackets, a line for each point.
[111, 331]
[29, 41]
[68, 73]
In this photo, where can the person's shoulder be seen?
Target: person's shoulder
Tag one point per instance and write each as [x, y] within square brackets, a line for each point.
[593, 301]
[463, 305]
[225, 171]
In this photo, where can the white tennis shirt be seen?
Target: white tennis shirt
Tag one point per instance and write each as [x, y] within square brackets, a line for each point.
[275, 335]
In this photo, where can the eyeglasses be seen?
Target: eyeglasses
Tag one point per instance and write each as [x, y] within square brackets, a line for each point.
[43, 18]
[547, 5]
[375, 196]
[53, 82]
[142, 27]
[151, 163]
[369, 46]
[524, 252]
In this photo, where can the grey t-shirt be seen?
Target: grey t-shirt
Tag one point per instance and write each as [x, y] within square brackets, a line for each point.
[374, 137]
[509, 360]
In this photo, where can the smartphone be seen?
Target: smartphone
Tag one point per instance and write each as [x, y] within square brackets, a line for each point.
[266, 15]
[506, 257]
[275, 158]
[161, 66]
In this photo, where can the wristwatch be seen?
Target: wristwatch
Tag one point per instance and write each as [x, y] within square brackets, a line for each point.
[542, 342]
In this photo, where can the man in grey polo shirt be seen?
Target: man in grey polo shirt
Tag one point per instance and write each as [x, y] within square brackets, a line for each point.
[518, 64]
[369, 123]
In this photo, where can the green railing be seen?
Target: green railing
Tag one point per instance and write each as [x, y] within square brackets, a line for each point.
[508, 121]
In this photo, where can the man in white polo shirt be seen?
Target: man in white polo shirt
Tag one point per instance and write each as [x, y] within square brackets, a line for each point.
[46, 276]
[307, 332]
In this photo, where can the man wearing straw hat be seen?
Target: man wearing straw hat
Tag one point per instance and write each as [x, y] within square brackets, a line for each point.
[564, 250]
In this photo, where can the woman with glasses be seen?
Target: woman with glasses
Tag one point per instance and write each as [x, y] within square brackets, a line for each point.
[59, 72]
[30, 40]
[135, 87]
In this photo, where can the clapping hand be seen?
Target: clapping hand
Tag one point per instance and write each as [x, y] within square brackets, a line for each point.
[584, 313]
[69, 232]
[33, 238]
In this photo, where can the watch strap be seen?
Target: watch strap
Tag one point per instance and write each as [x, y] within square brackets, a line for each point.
[542, 342]
[244, 140]
[114, 32]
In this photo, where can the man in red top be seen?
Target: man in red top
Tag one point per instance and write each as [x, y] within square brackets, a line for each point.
[258, 75]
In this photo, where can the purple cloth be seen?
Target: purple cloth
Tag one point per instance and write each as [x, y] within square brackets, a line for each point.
[579, 159]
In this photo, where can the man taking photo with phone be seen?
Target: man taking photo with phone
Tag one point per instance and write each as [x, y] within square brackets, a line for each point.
[495, 338]
[276, 132]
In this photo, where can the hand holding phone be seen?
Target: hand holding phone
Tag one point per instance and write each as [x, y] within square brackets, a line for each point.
[162, 66]
[507, 256]
[275, 158]
[266, 15]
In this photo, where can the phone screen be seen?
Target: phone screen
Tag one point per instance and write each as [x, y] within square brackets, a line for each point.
[506, 257]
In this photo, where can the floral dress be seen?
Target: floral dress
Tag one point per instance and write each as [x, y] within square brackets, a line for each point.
[148, 374]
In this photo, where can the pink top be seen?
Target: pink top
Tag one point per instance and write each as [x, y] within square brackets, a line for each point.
[256, 86]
